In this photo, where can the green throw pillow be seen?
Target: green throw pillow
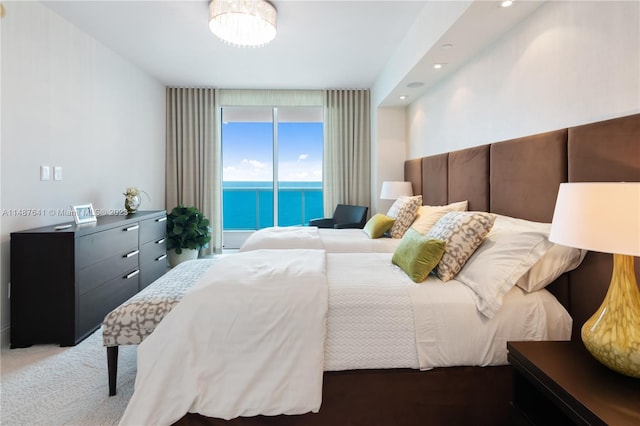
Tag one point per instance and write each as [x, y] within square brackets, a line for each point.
[378, 225]
[417, 255]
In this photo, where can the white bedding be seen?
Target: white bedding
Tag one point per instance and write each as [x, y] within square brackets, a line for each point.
[248, 339]
[311, 237]
[377, 317]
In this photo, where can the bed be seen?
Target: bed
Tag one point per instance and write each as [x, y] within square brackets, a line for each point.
[519, 179]
[331, 240]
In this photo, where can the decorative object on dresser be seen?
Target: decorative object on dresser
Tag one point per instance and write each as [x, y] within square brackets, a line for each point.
[605, 217]
[64, 281]
[187, 232]
[559, 383]
[132, 199]
[83, 213]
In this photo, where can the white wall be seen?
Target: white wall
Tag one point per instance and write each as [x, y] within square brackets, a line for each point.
[569, 63]
[69, 101]
[388, 154]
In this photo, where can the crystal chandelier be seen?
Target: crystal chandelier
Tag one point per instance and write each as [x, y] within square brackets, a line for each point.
[245, 23]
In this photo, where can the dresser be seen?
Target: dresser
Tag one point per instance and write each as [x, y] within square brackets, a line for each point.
[63, 282]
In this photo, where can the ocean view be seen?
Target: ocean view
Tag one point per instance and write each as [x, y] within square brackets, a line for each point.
[249, 205]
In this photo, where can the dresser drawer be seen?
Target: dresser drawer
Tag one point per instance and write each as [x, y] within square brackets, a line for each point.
[94, 305]
[149, 272]
[114, 266]
[153, 229]
[96, 247]
[152, 250]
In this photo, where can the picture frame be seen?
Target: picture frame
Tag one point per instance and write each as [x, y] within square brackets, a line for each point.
[83, 213]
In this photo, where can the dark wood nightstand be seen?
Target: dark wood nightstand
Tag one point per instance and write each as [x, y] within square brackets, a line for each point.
[560, 383]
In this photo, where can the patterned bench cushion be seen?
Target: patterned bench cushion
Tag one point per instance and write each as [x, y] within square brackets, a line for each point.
[131, 322]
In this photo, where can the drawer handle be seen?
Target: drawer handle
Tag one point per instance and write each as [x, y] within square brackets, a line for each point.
[132, 274]
[163, 257]
[162, 219]
[133, 253]
[160, 241]
[131, 228]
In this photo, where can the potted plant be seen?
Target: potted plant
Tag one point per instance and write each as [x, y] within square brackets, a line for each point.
[187, 232]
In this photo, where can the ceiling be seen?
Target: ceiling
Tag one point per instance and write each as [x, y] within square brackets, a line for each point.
[319, 45]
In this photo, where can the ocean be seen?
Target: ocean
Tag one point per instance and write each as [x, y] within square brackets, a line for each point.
[249, 205]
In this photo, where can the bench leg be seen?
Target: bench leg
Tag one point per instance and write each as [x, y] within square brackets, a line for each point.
[112, 368]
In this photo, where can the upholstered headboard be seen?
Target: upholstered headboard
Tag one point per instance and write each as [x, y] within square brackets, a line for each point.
[521, 177]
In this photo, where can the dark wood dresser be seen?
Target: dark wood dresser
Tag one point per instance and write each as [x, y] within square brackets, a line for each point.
[63, 282]
[560, 383]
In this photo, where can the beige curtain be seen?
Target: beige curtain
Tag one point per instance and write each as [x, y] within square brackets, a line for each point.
[347, 149]
[192, 168]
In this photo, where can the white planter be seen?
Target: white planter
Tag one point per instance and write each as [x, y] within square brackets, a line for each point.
[187, 254]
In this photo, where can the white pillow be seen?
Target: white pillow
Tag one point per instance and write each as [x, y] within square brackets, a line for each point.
[556, 261]
[501, 260]
[429, 215]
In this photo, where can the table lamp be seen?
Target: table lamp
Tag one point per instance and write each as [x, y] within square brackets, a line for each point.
[394, 190]
[605, 217]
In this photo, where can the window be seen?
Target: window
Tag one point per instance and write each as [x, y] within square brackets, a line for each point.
[272, 166]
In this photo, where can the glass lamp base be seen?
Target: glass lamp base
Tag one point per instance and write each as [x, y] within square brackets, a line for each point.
[612, 334]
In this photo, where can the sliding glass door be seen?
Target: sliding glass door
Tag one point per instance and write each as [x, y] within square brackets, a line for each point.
[272, 166]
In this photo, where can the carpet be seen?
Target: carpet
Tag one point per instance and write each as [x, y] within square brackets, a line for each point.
[68, 388]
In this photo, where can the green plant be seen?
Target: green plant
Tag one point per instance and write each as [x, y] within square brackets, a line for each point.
[187, 228]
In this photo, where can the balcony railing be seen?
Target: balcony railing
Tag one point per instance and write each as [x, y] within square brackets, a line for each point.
[251, 208]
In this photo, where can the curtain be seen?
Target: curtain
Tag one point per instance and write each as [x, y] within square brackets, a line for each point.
[347, 149]
[192, 165]
[269, 98]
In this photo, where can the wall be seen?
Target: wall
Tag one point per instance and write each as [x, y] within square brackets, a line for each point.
[569, 63]
[388, 129]
[388, 153]
[69, 101]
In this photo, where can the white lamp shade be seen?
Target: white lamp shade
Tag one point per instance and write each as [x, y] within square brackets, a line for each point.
[395, 190]
[599, 216]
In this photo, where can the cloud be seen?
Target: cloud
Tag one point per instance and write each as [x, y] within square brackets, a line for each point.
[255, 163]
[303, 157]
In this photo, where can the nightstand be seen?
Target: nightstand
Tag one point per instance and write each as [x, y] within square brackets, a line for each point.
[560, 383]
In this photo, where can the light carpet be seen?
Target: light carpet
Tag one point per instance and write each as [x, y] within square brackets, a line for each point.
[69, 387]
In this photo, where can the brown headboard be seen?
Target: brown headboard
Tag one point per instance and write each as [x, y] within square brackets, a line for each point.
[520, 178]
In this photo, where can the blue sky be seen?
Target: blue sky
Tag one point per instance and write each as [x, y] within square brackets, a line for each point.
[247, 151]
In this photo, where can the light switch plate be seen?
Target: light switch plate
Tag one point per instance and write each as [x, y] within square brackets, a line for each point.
[57, 173]
[44, 173]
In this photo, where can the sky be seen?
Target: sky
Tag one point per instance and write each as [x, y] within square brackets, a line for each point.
[247, 151]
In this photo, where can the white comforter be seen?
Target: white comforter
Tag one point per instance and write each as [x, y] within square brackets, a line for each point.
[311, 237]
[248, 339]
[379, 318]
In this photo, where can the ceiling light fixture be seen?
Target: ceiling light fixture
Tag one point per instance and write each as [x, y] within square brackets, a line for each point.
[244, 23]
[506, 3]
[439, 65]
[403, 97]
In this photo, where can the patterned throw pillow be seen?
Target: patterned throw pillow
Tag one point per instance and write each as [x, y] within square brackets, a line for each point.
[404, 210]
[462, 232]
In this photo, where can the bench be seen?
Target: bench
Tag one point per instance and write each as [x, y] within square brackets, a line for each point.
[134, 320]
